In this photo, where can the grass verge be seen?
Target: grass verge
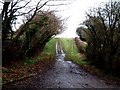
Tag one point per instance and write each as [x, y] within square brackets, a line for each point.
[71, 51]
[72, 54]
[30, 66]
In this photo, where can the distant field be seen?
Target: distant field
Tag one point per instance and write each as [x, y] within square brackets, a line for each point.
[71, 51]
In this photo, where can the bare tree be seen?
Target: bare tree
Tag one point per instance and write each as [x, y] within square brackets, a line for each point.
[12, 10]
[16, 8]
[103, 25]
[13, 45]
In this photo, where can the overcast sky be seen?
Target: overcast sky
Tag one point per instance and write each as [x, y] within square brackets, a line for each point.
[76, 13]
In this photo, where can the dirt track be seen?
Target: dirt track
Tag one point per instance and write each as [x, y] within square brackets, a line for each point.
[64, 74]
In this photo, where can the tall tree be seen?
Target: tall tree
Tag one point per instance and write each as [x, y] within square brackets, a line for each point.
[15, 9]
[11, 12]
[41, 29]
[15, 47]
[103, 25]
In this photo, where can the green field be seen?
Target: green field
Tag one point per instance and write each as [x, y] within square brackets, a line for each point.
[71, 51]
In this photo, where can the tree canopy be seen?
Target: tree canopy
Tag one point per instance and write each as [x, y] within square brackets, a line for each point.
[37, 29]
[102, 33]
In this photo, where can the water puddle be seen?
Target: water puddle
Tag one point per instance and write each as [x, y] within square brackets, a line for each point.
[60, 55]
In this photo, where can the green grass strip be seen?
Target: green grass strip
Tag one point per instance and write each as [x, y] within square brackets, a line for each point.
[48, 51]
[71, 51]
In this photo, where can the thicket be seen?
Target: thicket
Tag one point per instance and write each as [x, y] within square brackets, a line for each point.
[32, 39]
[101, 31]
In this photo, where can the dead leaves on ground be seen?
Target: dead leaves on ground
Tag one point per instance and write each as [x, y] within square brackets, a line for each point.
[20, 70]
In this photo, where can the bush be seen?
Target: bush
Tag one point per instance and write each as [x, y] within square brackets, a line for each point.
[103, 37]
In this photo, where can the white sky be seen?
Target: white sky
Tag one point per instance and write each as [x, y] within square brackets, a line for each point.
[76, 13]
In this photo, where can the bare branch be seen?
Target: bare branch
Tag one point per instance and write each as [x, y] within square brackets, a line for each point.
[22, 6]
[27, 23]
[58, 4]
[41, 5]
[21, 13]
[14, 3]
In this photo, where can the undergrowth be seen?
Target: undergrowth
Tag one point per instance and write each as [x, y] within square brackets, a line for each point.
[30, 65]
[71, 53]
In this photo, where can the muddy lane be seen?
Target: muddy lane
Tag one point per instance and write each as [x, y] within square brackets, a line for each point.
[64, 74]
